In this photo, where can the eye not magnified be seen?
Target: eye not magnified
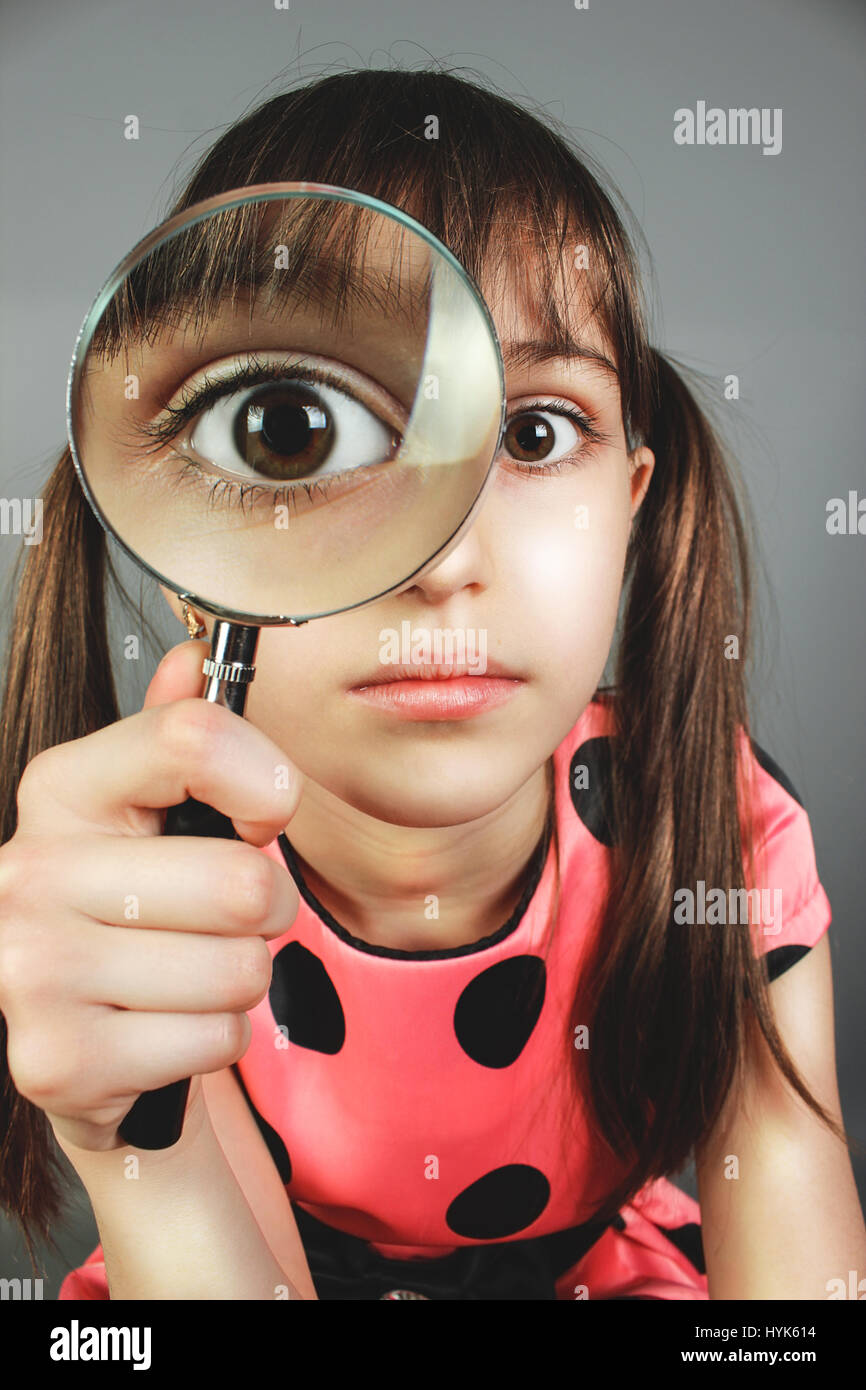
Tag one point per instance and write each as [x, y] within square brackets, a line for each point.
[543, 436]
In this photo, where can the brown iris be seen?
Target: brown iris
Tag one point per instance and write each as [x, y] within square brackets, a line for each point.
[285, 431]
[529, 437]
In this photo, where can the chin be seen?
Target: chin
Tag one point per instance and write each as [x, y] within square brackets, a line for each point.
[427, 803]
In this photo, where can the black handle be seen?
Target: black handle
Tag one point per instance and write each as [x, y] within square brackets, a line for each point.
[156, 1119]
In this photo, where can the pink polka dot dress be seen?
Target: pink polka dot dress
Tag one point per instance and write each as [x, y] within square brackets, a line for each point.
[414, 1102]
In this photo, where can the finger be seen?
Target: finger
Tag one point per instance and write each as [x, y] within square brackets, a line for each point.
[119, 1054]
[164, 972]
[178, 675]
[174, 883]
[157, 758]
[159, 1048]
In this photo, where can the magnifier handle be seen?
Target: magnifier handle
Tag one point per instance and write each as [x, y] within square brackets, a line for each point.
[155, 1121]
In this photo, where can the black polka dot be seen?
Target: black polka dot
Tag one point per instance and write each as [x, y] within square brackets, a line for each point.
[497, 1011]
[276, 1148]
[593, 801]
[774, 771]
[782, 958]
[304, 1001]
[501, 1203]
[688, 1241]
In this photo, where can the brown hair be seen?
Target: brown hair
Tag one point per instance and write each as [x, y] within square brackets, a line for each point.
[669, 1008]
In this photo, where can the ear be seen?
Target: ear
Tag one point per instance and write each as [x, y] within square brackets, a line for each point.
[641, 465]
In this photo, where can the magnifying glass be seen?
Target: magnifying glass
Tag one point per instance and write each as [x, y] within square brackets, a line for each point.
[284, 403]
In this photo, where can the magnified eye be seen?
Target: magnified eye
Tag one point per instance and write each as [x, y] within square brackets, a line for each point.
[541, 436]
[291, 430]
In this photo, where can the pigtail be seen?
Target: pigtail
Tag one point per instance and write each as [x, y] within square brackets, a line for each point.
[59, 686]
[669, 1007]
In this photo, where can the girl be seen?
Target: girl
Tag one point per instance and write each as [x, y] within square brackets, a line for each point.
[475, 987]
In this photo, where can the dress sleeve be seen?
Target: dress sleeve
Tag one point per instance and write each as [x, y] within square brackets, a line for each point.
[794, 908]
[88, 1281]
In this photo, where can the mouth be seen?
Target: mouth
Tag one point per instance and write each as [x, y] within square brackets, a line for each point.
[437, 692]
[447, 671]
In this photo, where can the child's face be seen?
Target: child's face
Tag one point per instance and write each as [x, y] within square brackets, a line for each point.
[535, 581]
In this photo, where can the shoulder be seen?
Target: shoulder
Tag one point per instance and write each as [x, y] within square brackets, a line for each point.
[790, 1221]
[786, 871]
[582, 768]
[589, 741]
[788, 906]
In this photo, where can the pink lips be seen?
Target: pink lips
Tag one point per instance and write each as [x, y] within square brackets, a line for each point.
[437, 692]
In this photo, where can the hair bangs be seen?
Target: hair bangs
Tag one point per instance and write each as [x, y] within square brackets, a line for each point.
[339, 256]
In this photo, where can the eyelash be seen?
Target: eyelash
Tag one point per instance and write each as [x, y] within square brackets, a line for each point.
[256, 372]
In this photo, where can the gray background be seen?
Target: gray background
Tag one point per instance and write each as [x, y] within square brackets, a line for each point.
[756, 269]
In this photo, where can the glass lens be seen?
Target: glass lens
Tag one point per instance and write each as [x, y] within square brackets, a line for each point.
[286, 402]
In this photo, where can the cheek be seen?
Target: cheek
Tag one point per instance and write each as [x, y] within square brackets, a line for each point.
[568, 557]
[292, 669]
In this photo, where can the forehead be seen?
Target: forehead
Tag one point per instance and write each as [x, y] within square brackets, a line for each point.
[545, 310]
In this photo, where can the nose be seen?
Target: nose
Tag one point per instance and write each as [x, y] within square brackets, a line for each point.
[467, 565]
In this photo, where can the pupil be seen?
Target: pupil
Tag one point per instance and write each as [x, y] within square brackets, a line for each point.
[286, 429]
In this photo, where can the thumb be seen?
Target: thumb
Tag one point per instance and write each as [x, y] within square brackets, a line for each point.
[179, 675]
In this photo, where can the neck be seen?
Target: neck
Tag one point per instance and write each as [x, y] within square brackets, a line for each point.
[418, 889]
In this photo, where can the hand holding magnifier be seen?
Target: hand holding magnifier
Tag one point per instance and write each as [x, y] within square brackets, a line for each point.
[285, 402]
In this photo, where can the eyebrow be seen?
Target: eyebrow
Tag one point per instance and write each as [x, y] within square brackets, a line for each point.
[534, 351]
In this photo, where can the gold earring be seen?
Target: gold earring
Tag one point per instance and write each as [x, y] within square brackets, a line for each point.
[194, 626]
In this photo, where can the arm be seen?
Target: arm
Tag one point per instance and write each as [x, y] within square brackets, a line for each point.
[792, 1220]
[182, 1228]
[247, 1153]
